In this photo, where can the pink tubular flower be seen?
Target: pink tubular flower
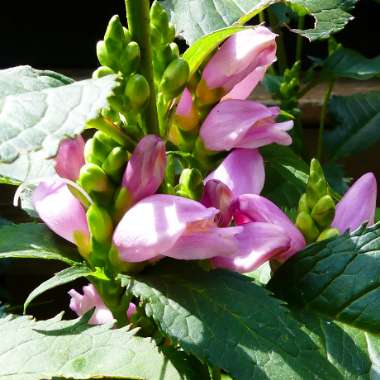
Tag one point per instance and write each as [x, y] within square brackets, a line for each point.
[146, 168]
[242, 171]
[358, 205]
[186, 114]
[243, 124]
[243, 57]
[70, 158]
[82, 303]
[61, 211]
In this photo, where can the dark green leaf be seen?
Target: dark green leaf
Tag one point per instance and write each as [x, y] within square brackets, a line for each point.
[65, 276]
[34, 241]
[32, 124]
[224, 318]
[31, 350]
[347, 63]
[203, 47]
[358, 124]
[339, 278]
[286, 175]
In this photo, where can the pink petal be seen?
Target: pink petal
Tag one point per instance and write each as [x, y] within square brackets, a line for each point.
[70, 158]
[258, 243]
[242, 171]
[131, 310]
[153, 226]
[59, 209]
[358, 204]
[239, 56]
[260, 209]
[146, 168]
[217, 194]
[185, 104]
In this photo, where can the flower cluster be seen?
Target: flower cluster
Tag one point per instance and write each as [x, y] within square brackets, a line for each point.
[131, 215]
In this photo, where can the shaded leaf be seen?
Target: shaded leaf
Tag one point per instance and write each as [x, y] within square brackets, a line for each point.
[31, 350]
[358, 124]
[339, 278]
[34, 241]
[224, 318]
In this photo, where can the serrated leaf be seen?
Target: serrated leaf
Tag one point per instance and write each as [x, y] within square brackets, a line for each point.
[32, 124]
[358, 124]
[224, 318]
[31, 350]
[196, 18]
[339, 278]
[63, 277]
[202, 48]
[21, 79]
[286, 175]
[330, 16]
[347, 63]
[34, 241]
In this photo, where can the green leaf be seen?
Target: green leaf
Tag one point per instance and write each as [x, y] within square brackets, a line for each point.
[347, 63]
[225, 319]
[202, 48]
[358, 124]
[21, 79]
[63, 277]
[286, 175]
[34, 241]
[339, 278]
[31, 350]
[330, 16]
[196, 18]
[32, 124]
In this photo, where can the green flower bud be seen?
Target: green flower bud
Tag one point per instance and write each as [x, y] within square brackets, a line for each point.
[130, 58]
[100, 223]
[137, 90]
[155, 36]
[115, 163]
[114, 37]
[103, 55]
[127, 36]
[101, 72]
[170, 32]
[316, 186]
[302, 204]
[306, 225]
[122, 202]
[105, 139]
[174, 50]
[324, 211]
[93, 178]
[94, 152]
[175, 77]
[328, 233]
[190, 184]
[158, 15]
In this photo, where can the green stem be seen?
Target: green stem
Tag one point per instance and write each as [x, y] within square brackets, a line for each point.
[139, 26]
[299, 44]
[261, 17]
[323, 119]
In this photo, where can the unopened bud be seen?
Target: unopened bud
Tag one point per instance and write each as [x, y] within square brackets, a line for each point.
[158, 15]
[130, 58]
[306, 225]
[324, 211]
[175, 77]
[103, 56]
[100, 223]
[328, 234]
[137, 90]
[302, 204]
[115, 163]
[316, 186]
[114, 36]
[93, 179]
[101, 72]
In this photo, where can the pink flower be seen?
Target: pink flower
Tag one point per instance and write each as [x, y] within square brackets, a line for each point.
[146, 168]
[82, 303]
[186, 114]
[240, 63]
[61, 211]
[70, 158]
[242, 171]
[243, 124]
[358, 205]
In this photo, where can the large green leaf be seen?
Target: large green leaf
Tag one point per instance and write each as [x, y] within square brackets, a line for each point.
[196, 18]
[358, 124]
[34, 241]
[63, 277]
[226, 319]
[330, 16]
[286, 175]
[21, 79]
[32, 124]
[347, 63]
[339, 278]
[31, 350]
